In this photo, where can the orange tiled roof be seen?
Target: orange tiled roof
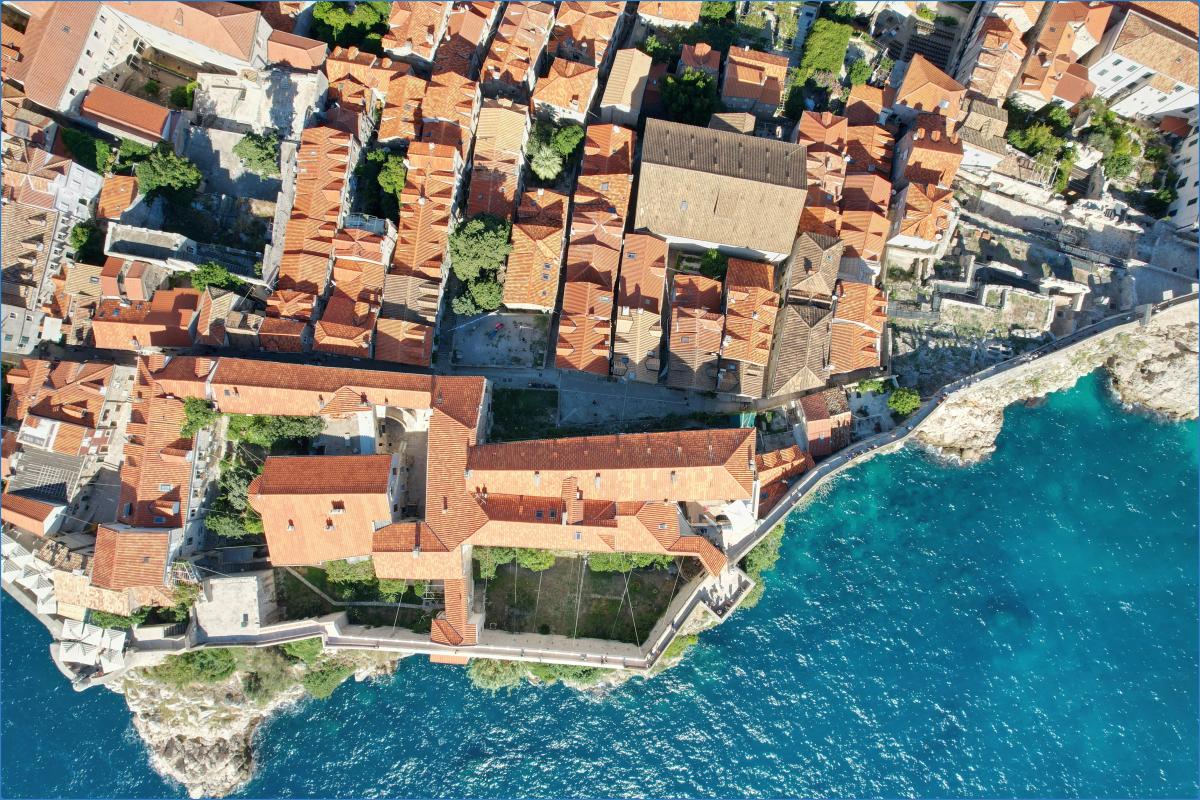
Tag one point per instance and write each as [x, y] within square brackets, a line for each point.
[1183, 16]
[157, 471]
[404, 342]
[926, 88]
[499, 142]
[51, 47]
[636, 466]
[520, 39]
[106, 105]
[116, 196]
[299, 52]
[936, 151]
[927, 211]
[870, 148]
[531, 278]
[283, 335]
[752, 75]
[750, 313]
[401, 116]
[1000, 57]
[583, 31]
[585, 329]
[866, 192]
[701, 56]
[864, 233]
[416, 27]
[568, 85]
[824, 138]
[858, 323]
[128, 559]
[26, 513]
[164, 321]
[1172, 55]
[866, 102]
[322, 508]
[228, 28]
[643, 273]
[673, 11]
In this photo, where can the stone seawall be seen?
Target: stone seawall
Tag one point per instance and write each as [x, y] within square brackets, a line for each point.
[1153, 368]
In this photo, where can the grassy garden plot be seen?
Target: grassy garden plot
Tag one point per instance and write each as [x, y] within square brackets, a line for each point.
[571, 600]
[520, 414]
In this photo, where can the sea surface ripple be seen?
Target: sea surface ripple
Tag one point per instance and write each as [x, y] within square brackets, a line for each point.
[1026, 627]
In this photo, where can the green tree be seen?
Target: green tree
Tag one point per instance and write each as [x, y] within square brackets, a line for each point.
[207, 665]
[184, 96]
[535, 560]
[624, 562]
[213, 274]
[183, 597]
[480, 244]
[151, 88]
[1057, 117]
[392, 175]
[661, 51]
[546, 163]
[843, 11]
[567, 138]
[259, 153]
[904, 401]
[490, 558]
[464, 305]
[197, 413]
[860, 72]
[306, 650]
[926, 13]
[1038, 140]
[267, 430]
[715, 11]
[391, 589]
[873, 385]
[690, 97]
[713, 264]
[363, 26]
[167, 172]
[89, 151]
[131, 152]
[103, 619]
[824, 49]
[87, 240]
[1117, 165]
[760, 560]
[488, 295]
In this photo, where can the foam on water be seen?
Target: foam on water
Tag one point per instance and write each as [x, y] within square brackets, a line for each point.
[1025, 627]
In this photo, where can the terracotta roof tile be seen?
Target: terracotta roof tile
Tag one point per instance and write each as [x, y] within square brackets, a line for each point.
[569, 85]
[531, 278]
[926, 88]
[753, 75]
[106, 105]
[125, 559]
[521, 37]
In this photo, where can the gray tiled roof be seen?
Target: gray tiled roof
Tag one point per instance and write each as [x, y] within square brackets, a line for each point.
[722, 153]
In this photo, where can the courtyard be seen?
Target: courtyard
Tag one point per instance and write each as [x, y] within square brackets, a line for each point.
[502, 340]
[568, 599]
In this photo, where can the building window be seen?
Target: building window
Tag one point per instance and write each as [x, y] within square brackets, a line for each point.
[1103, 72]
[1192, 202]
[1117, 62]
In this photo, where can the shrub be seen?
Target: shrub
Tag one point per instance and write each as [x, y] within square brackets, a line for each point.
[306, 650]
[490, 558]
[131, 152]
[904, 401]
[535, 560]
[926, 13]
[464, 305]
[87, 240]
[479, 244]
[493, 675]
[715, 11]
[871, 385]
[680, 645]
[259, 153]
[488, 295]
[579, 675]
[860, 72]
[164, 171]
[824, 49]
[208, 665]
[197, 414]
[765, 554]
[103, 619]
[713, 264]
[152, 88]
[89, 151]
[567, 138]
[213, 274]
[391, 589]
[624, 562]
[320, 680]
[266, 672]
[342, 571]
[183, 598]
[690, 97]
[267, 430]
[184, 96]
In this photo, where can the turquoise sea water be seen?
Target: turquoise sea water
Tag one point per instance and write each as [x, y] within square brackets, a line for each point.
[1026, 627]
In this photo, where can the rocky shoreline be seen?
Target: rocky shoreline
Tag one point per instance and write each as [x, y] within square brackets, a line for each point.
[1153, 369]
[202, 736]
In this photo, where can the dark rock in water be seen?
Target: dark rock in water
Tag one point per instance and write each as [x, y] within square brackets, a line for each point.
[1035, 402]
